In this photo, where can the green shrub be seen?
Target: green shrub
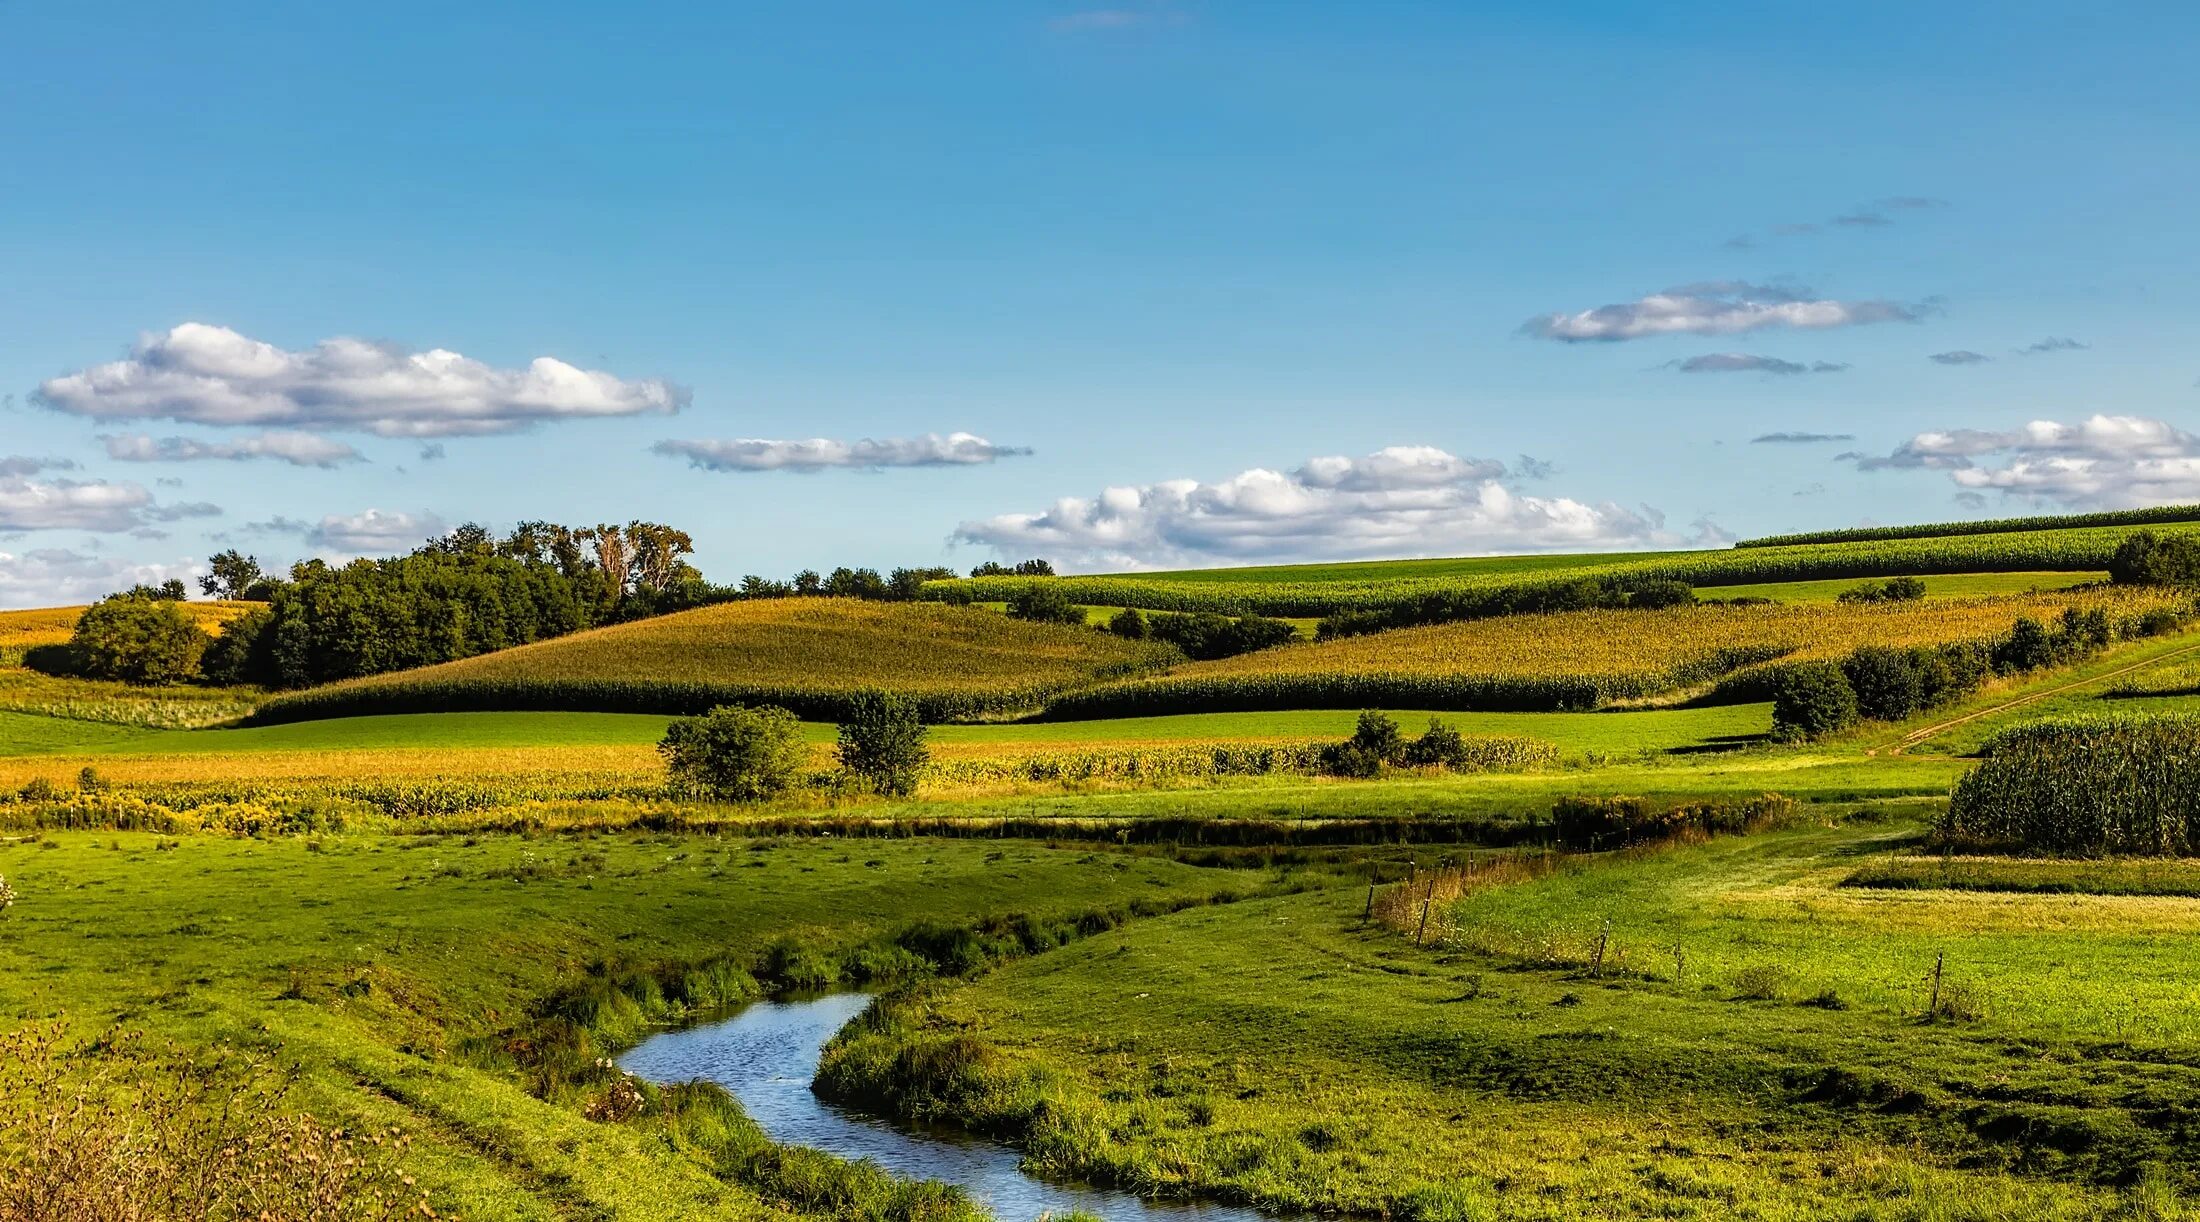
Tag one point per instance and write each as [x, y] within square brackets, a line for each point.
[1887, 682]
[1811, 700]
[138, 640]
[1044, 603]
[735, 753]
[1130, 624]
[882, 742]
[1440, 746]
[1375, 742]
[2156, 560]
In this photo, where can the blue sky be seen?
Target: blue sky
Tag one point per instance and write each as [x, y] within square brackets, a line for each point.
[1189, 252]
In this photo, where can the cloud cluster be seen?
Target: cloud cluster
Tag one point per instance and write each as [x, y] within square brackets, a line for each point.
[65, 504]
[2053, 343]
[1400, 501]
[370, 532]
[46, 577]
[17, 465]
[1742, 362]
[201, 374]
[821, 454]
[2105, 461]
[1722, 307]
[1961, 356]
[296, 448]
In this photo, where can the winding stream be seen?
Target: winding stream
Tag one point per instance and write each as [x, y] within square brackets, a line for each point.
[766, 1056]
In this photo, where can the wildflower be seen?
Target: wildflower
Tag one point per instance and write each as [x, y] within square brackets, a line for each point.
[7, 895]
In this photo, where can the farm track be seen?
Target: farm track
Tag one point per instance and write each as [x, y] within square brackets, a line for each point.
[1932, 731]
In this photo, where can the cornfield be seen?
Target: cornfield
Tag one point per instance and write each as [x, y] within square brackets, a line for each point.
[1190, 761]
[2067, 550]
[2157, 516]
[805, 655]
[1573, 660]
[2113, 784]
[22, 631]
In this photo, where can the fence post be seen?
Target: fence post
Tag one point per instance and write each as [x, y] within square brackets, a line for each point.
[1932, 1010]
[1428, 898]
[1596, 965]
[1372, 873]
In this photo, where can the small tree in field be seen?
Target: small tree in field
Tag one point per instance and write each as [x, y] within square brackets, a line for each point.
[882, 742]
[1811, 700]
[1043, 603]
[138, 640]
[735, 753]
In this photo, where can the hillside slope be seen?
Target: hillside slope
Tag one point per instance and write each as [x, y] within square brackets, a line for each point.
[805, 654]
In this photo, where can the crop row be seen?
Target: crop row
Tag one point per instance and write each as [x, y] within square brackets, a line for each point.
[2154, 516]
[2023, 551]
[1574, 660]
[1179, 761]
[2118, 784]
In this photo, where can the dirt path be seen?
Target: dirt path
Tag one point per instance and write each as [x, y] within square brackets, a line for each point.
[1917, 736]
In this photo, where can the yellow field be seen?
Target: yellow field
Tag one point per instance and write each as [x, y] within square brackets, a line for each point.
[1580, 658]
[21, 630]
[807, 654]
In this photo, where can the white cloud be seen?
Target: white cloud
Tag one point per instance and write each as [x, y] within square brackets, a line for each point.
[49, 577]
[64, 504]
[1743, 362]
[295, 448]
[1400, 501]
[371, 532]
[2103, 460]
[201, 374]
[819, 453]
[1718, 308]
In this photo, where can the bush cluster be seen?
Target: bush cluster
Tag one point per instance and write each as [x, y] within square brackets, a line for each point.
[1203, 636]
[1892, 590]
[2148, 559]
[1605, 822]
[1377, 743]
[1878, 683]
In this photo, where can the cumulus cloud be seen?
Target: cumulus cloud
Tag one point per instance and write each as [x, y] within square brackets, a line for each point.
[1961, 356]
[371, 532]
[1742, 362]
[201, 374]
[47, 577]
[1716, 308]
[1399, 501]
[16, 465]
[297, 449]
[820, 453]
[65, 504]
[1799, 438]
[2103, 460]
[2053, 343]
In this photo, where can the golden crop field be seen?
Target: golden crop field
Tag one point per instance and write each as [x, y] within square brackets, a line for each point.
[21, 630]
[1578, 659]
[805, 654]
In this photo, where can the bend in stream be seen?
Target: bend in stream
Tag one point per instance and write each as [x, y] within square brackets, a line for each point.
[766, 1056]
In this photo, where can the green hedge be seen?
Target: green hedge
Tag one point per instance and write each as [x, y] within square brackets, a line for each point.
[1986, 526]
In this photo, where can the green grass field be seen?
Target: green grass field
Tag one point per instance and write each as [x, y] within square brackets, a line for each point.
[1753, 1048]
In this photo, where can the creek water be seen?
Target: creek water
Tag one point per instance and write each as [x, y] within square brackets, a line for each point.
[766, 1056]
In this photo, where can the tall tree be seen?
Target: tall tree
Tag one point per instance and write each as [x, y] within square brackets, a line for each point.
[231, 575]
